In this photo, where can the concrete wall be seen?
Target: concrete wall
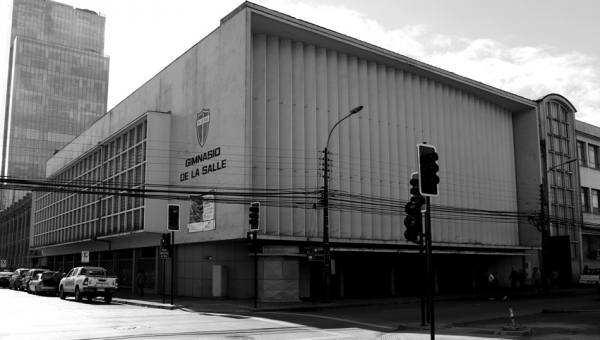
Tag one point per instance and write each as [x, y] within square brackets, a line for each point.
[300, 91]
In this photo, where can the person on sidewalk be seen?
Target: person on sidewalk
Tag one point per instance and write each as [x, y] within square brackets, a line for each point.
[521, 279]
[140, 279]
[495, 289]
[554, 279]
[537, 279]
[514, 278]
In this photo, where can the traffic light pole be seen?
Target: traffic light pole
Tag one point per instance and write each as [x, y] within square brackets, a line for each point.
[429, 266]
[422, 259]
[256, 272]
[172, 266]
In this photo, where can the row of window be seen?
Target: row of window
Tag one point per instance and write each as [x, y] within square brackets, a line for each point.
[591, 243]
[588, 156]
[116, 224]
[74, 216]
[585, 200]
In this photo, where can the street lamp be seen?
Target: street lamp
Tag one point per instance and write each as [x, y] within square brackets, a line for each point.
[543, 222]
[327, 258]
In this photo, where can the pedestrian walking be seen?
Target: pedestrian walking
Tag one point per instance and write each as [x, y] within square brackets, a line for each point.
[554, 279]
[514, 278]
[494, 287]
[537, 279]
[521, 279]
[140, 279]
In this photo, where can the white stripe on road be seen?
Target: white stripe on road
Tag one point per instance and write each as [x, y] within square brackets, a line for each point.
[289, 324]
[337, 319]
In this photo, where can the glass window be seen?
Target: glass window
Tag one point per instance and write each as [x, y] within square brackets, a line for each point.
[585, 199]
[595, 207]
[593, 156]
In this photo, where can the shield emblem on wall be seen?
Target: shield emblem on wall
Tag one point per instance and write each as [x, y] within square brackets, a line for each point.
[202, 123]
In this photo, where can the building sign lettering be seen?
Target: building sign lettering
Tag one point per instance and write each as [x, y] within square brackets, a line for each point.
[205, 169]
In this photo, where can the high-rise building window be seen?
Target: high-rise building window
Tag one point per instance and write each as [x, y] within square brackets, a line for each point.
[585, 199]
[581, 154]
[593, 156]
[595, 208]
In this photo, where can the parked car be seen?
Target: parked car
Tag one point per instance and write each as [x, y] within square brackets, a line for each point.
[591, 277]
[88, 282]
[15, 280]
[43, 283]
[30, 275]
[5, 278]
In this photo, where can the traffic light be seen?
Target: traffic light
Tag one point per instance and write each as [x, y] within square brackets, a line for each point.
[251, 238]
[173, 217]
[165, 242]
[254, 215]
[413, 220]
[428, 168]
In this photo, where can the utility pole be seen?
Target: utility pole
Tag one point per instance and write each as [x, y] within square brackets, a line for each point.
[327, 258]
[325, 203]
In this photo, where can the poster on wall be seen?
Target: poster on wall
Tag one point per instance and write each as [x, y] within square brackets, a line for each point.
[202, 213]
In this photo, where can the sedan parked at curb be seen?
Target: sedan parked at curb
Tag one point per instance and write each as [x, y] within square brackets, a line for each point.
[5, 278]
[30, 275]
[43, 283]
[15, 280]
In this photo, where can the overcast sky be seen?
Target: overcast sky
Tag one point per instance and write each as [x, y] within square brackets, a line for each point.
[530, 48]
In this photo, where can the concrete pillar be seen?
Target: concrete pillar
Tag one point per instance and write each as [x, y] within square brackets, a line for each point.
[393, 282]
[342, 283]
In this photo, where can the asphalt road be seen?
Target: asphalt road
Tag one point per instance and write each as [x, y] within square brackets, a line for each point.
[25, 316]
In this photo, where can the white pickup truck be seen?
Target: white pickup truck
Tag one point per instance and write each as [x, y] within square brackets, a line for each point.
[89, 282]
[592, 277]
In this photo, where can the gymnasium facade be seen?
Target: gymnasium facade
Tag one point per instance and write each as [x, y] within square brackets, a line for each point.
[248, 110]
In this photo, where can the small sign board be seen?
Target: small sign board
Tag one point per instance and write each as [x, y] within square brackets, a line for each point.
[315, 257]
[85, 257]
[164, 254]
[313, 249]
[3, 263]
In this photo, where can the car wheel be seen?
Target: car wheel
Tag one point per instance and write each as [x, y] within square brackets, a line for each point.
[78, 295]
[62, 294]
[107, 298]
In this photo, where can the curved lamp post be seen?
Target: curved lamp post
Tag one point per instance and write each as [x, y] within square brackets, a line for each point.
[327, 258]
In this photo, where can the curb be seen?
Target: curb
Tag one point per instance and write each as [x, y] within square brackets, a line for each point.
[311, 308]
[423, 328]
[556, 311]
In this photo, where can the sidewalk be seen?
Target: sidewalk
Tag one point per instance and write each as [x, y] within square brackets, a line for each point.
[230, 306]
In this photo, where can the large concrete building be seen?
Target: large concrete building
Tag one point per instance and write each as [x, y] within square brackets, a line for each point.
[244, 115]
[57, 84]
[588, 144]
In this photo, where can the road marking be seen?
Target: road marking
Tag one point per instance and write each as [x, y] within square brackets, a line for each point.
[308, 328]
[337, 319]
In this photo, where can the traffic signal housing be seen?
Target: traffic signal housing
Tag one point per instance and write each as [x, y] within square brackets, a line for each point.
[165, 242]
[251, 238]
[414, 217]
[413, 220]
[254, 215]
[173, 217]
[428, 169]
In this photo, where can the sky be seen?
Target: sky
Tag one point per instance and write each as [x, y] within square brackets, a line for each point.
[527, 47]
